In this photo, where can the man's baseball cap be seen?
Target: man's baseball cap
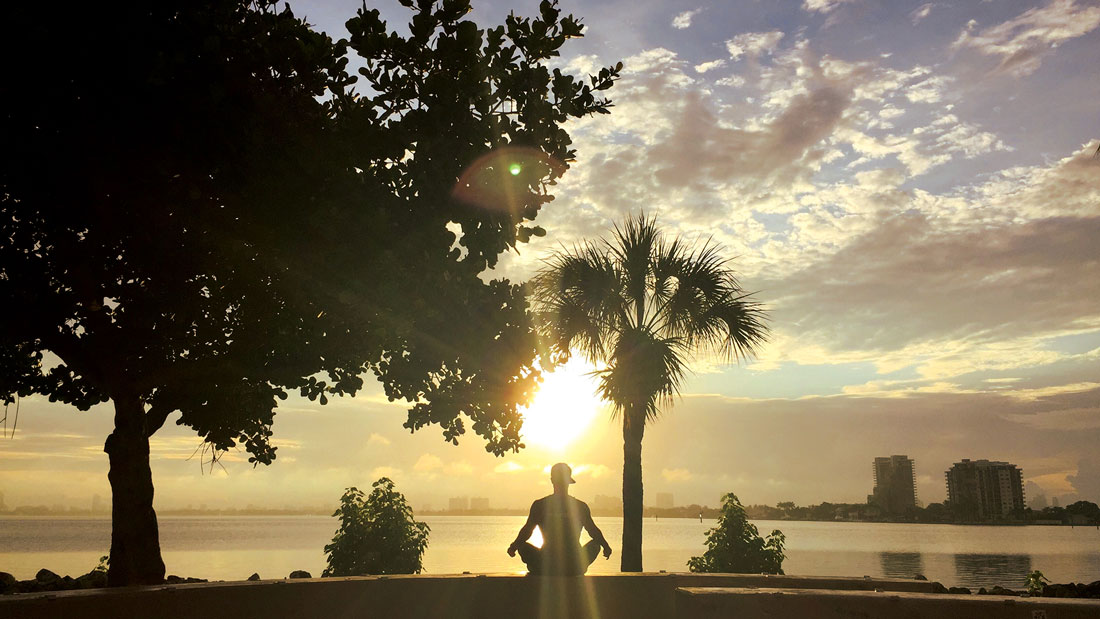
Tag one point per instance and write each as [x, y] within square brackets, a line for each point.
[561, 473]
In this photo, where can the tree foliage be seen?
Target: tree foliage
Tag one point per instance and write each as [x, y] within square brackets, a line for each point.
[377, 534]
[201, 213]
[734, 546]
[644, 305]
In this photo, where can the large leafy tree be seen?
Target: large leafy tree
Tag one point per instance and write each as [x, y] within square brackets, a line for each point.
[199, 214]
[643, 305]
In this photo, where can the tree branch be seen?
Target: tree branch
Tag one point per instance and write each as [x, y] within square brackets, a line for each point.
[155, 418]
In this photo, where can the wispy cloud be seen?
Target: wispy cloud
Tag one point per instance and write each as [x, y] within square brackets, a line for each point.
[1022, 42]
[823, 6]
[683, 20]
[918, 14]
[752, 44]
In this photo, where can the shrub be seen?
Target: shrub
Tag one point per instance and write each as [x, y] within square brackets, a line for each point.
[735, 546]
[377, 534]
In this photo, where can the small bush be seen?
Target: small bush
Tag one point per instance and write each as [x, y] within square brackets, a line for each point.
[377, 534]
[735, 545]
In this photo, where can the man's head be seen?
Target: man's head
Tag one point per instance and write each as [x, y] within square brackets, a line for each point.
[561, 476]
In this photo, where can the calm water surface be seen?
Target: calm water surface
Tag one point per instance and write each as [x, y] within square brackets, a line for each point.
[233, 548]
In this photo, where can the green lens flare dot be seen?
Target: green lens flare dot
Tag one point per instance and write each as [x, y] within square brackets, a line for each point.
[514, 169]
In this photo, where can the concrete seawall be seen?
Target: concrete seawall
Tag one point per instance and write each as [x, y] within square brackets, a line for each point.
[619, 596]
[724, 603]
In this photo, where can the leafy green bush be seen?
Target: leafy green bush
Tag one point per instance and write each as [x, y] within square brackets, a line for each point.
[377, 534]
[735, 546]
[1035, 583]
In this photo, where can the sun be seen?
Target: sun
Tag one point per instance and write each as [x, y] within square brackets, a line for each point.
[564, 406]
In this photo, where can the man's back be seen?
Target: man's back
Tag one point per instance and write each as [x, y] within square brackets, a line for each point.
[560, 518]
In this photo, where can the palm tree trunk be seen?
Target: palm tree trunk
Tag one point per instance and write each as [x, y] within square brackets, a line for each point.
[633, 429]
[135, 540]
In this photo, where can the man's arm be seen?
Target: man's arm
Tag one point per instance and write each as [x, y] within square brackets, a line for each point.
[595, 533]
[526, 530]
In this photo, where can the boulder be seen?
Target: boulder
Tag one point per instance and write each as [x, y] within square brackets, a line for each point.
[1092, 590]
[254, 577]
[959, 590]
[95, 579]
[1068, 590]
[920, 577]
[29, 586]
[7, 583]
[999, 590]
[300, 574]
[938, 588]
[172, 579]
[46, 577]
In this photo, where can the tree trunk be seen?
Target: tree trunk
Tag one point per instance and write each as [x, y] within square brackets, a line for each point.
[135, 541]
[633, 428]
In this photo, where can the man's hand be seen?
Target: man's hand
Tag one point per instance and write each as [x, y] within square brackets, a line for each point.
[512, 550]
[606, 551]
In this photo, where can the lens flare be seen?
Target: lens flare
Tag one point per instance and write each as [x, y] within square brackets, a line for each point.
[507, 179]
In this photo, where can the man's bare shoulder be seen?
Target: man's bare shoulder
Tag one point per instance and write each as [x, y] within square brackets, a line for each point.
[579, 504]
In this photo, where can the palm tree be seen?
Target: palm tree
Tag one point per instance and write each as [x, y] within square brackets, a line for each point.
[643, 306]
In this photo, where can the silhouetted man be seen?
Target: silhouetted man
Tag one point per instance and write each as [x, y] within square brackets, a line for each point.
[560, 517]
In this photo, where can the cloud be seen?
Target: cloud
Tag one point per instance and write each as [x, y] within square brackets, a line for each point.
[1022, 42]
[378, 439]
[384, 471]
[1069, 420]
[915, 288]
[1046, 392]
[428, 463]
[753, 44]
[822, 6]
[458, 468]
[508, 467]
[1086, 482]
[683, 20]
[709, 66]
[922, 11]
[595, 471]
[676, 475]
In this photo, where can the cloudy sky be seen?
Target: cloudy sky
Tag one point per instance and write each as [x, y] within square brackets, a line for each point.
[909, 187]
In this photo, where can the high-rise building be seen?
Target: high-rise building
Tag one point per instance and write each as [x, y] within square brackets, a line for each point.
[458, 504]
[985, 490]
[895, 484]
[664, 500]
[478, 503]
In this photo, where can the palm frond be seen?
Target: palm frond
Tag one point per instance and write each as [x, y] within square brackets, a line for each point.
[732, 328]
[578, 299]
[633, 249]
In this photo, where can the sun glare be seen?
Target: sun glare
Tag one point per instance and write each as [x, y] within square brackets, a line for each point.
[564, 406]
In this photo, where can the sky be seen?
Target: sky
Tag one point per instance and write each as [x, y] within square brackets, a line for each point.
[909, 188]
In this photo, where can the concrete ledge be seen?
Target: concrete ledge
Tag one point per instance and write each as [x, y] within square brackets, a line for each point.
[712, 603]
[484, 596]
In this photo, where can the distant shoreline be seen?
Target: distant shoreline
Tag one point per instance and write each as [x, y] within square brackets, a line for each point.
[650, 514]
